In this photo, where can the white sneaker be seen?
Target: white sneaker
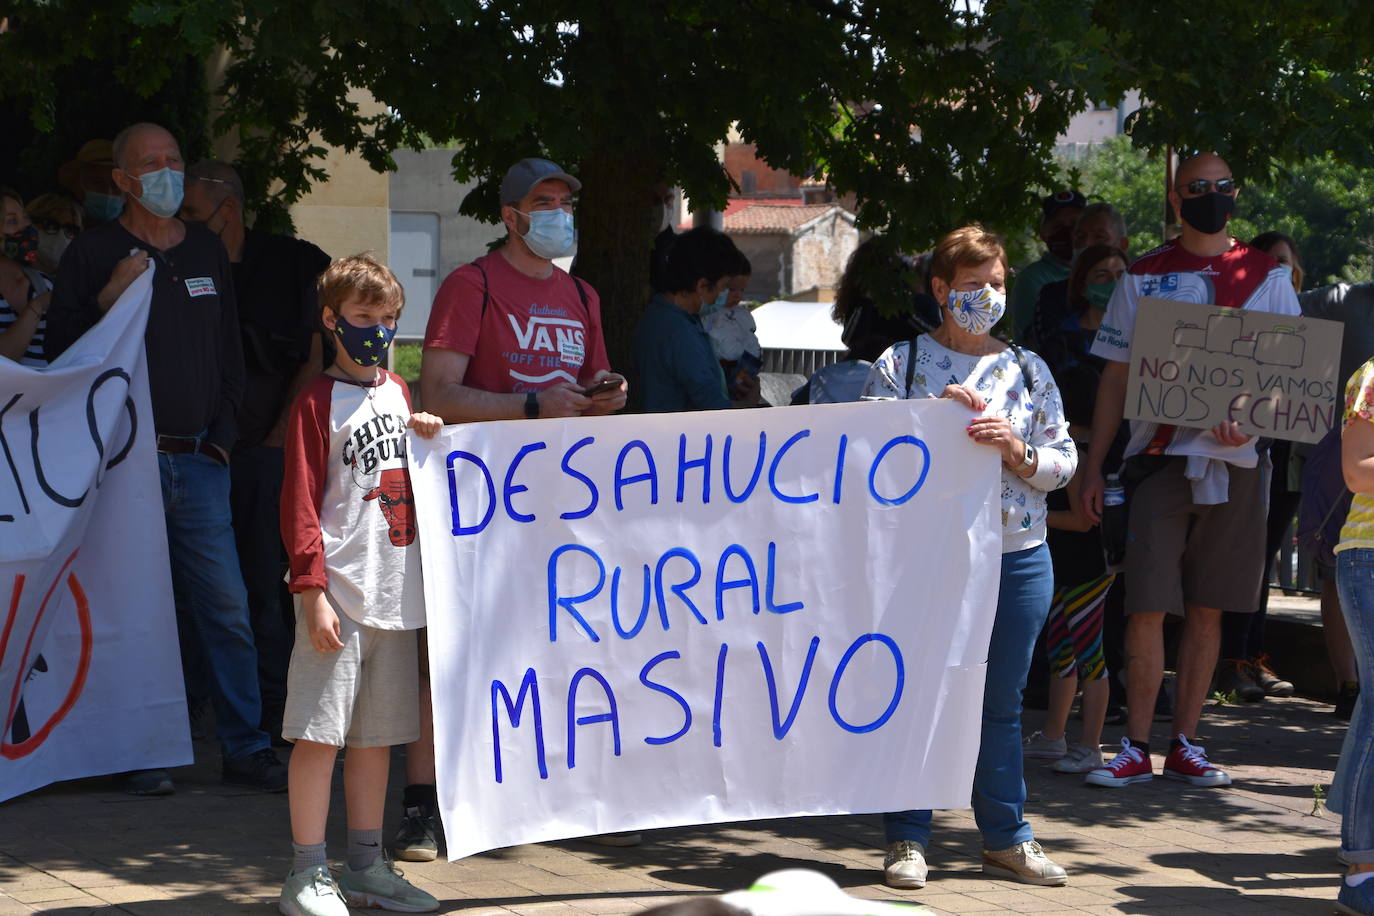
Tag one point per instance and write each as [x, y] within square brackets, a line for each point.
[1038, 747]
[904, 866]
[1025, 862]
[1079, 759]
[311, 892]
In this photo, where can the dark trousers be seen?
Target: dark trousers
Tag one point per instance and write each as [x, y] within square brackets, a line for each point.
[255, 498]
[1242, 635]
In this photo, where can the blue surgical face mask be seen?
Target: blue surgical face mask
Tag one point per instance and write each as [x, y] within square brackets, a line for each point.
[551, 234]
[101, 207]
[162, 191]
[366, 346]
[717, 304]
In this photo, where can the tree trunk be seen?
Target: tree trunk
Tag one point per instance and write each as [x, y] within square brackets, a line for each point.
[615, 238]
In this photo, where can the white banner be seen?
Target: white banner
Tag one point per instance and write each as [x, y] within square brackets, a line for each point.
[648, 621]
[90, 674]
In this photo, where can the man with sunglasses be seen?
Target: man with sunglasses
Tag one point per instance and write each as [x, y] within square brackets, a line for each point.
[1197, 520]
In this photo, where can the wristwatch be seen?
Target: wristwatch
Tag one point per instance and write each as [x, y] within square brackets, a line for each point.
[531, 406]
[1028, 460]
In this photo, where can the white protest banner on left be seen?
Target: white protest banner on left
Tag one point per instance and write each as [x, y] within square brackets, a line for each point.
[648, 621]
[90, 673]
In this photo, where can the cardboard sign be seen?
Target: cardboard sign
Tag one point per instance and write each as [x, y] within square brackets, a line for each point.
[657, 620]
[1199, 365]
[90, 670]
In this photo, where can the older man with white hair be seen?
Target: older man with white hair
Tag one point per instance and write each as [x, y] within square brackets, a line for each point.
[195, 376]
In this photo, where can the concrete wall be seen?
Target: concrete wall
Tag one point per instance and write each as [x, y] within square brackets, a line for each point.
[423, 183]
[1090, 127]
[820, 252]
[769, 255]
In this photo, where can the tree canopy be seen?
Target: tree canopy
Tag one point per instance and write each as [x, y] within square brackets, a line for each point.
[933, 114]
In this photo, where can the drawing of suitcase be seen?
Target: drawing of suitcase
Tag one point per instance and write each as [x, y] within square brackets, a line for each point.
[1244, 347]
[1191, 336]
[1280, 346]
[1223, 329]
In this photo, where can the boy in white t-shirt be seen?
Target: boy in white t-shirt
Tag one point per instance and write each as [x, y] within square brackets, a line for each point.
[347, 518]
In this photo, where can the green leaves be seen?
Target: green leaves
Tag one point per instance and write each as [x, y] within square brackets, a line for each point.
[932, 114]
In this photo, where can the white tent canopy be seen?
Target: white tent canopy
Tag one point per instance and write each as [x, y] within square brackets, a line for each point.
[784, 325]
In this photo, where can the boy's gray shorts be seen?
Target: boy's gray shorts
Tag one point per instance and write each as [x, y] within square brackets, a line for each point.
[366, 694]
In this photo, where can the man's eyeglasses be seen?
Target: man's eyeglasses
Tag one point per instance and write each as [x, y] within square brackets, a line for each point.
[69, 230]
[1202, 186]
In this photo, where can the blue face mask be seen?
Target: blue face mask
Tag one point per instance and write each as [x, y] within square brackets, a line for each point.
[366, 346]
[101, 207]
[162, 191]
[717, 304]
[551, 234]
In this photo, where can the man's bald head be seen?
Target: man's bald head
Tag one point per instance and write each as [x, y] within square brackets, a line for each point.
[1203, 165]
[1204, 197]
[135, 135]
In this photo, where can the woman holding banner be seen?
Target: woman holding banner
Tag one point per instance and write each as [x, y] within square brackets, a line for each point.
[1018, 411]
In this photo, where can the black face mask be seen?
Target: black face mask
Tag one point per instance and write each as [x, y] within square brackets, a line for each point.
[1207, 213]
[1061, 244]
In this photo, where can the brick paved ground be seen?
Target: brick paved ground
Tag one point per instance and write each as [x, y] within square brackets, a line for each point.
[1154, 849]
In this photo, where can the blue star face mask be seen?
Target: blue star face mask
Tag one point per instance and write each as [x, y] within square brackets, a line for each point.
[366, 346]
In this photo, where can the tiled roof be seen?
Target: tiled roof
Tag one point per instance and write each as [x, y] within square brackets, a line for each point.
[736, 204]
[771, 218]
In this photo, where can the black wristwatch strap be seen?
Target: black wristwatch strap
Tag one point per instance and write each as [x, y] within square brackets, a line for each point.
[531, 406]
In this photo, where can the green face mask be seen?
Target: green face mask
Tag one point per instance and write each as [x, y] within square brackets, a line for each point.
[1098, 294]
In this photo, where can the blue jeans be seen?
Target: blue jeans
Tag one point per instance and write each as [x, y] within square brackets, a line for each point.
[205, 575]
[1355, 580]
[999, 783]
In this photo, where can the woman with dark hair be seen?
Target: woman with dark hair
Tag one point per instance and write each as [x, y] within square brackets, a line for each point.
[882, 299]
[1062, 338]
[1016, 409]
[1281, 247]
[674, 362]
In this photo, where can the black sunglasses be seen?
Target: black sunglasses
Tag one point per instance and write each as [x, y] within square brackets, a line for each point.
[1202, 186]
[70, 230]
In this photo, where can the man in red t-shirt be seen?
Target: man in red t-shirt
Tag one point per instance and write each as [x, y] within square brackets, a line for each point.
[510, 336]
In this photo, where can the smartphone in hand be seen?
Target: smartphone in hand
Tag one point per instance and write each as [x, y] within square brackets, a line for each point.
[610, 383]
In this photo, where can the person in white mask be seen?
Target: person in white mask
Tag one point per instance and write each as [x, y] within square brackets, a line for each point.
[1014, 407]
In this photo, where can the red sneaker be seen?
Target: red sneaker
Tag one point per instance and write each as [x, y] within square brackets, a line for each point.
[1128, 767]
[1189, 763]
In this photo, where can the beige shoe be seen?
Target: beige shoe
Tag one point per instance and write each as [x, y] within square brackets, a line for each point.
[904, 866]
[1024, 862]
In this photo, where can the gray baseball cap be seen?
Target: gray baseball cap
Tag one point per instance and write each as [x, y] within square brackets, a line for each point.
[524, 175]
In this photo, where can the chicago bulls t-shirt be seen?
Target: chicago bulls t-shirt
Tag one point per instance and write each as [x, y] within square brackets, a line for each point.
[532, 333]
[1239, 278]
[347, 514]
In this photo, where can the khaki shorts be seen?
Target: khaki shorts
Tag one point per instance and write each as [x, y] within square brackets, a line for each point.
[1179, 553]
[367, 694]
